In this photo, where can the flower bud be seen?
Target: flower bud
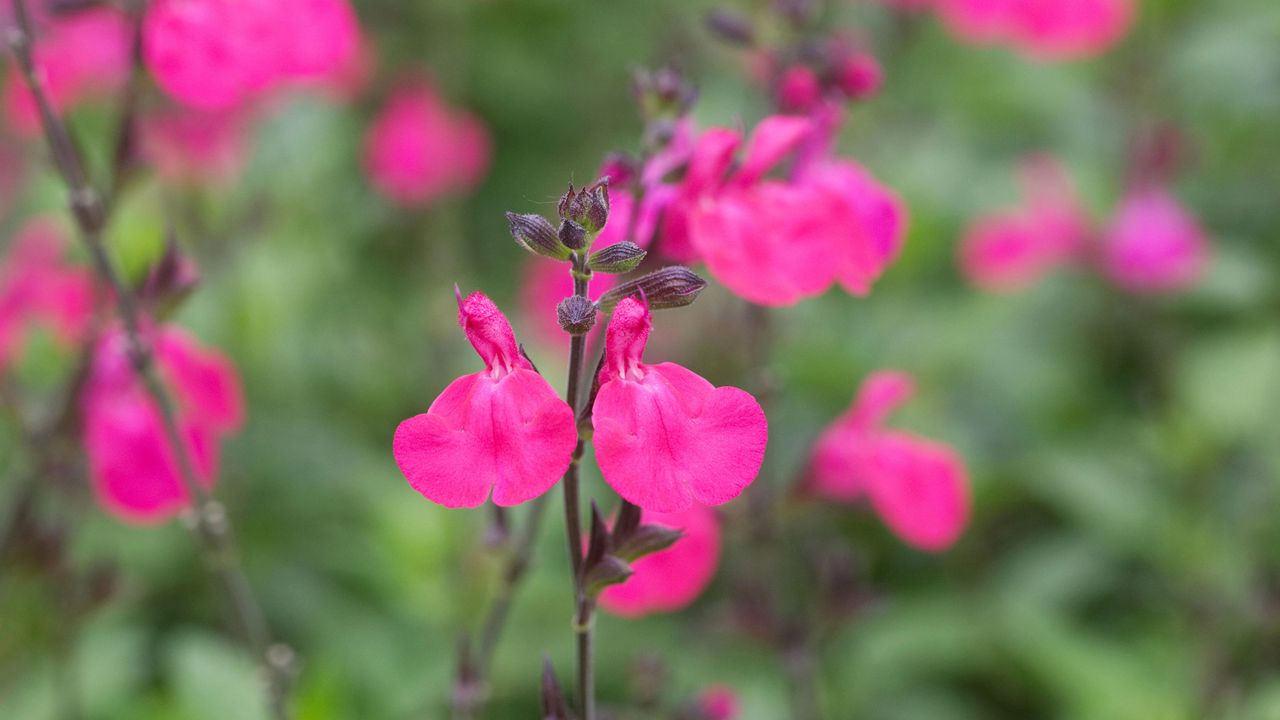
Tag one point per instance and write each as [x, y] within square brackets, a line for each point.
[670, 287]
[554, 706]
[731, 27]
[618, 258]
[663, 93]
[535, 234]
[576, 315]
[588, 207]
[572, 235]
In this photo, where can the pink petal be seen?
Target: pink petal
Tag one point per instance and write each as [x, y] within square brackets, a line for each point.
[920, 489]
[1064, 29]
[979, 21]
[671, 579]
[490, 334]
[670, 438]
[873, 220]
[1004, 252]
[205, 381]
[711, 157]
[881, 393]
[512, 434]
[774, 138]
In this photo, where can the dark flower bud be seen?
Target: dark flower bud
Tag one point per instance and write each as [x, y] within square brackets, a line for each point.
[731, 27]
[670, 287]
[618, 258]
[589, 207]
[535, 234]
[576, 315]
[663, 93]
[572, 235]
[611, 570]
[170, 281]
[646, 540]
[554, 706]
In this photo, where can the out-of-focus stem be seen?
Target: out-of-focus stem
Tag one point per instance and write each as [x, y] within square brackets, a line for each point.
[209, 522]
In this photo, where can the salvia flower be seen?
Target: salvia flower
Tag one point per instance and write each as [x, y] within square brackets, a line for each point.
[719, 702]
[1153, 244]
[1011, 249]
[919, 487]
[775, 242]
[502, 429]
[1043, 29]
[666, 438]
[670, 580]
[37, 288]
[134, 470]
[419, 149]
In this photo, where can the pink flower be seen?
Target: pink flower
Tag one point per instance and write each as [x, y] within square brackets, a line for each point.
[719, 702]
[501, 429]
[419, 149]
[775, 242]
[37, 288]
[917, 486]
[671, 579]
[82, 56]
[1045, 29]
[799, 89]
[186, 146]
[1063, 29]
[217, 54]
[1153, 244]
[133, 468]
[1011, 249]
[664, 436]
[859, 75]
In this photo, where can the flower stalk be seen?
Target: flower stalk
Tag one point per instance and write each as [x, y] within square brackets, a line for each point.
[207, 518]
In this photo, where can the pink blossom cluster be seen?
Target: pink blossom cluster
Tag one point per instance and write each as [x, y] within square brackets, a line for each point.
[419, 148]
[1152, 244]
[1043, 29]
[839, 70]
[219, 54]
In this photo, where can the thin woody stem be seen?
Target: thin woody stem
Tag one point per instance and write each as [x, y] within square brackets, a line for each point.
[209, 522]
[584, 608]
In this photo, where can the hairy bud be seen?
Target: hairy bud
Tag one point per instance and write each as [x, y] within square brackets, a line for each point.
[576, 315]
[572, 235]
[670, 287]
[535, 234]
[588, 207]
[617, 259]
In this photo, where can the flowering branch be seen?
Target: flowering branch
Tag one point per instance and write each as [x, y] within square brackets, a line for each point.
[208, 519]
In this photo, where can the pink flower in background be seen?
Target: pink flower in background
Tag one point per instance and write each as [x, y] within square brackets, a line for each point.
[799, 89]
[859, 75]
[1153, 244]
[671, 579]
[501, 429]
[419, 149]
[1045, 29]
[1012, 249]
[82, 56]
[218, 54]
[775, 242]
[133, 468]
[719, 702]
[38, 288]
[918, 487]
[666, 438]
[187, 146]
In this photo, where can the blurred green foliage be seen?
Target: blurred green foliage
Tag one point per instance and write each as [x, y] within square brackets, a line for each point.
[1122, 560]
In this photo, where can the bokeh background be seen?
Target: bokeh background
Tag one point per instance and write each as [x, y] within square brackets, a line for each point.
[1121, 562]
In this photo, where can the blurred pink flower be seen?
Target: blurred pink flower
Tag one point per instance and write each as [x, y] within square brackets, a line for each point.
[82, 56]
[132, 466]
[775, 242]
[1011, 249]
[720, 702]
[502, 428]
[671, 579]
[666, 438]
[187, 146]
[1045, 29]
[1153, 244]
[418, 149]
[798, 89]
[859, 75]
[918, 487]
[38, 288]
[217, 54]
